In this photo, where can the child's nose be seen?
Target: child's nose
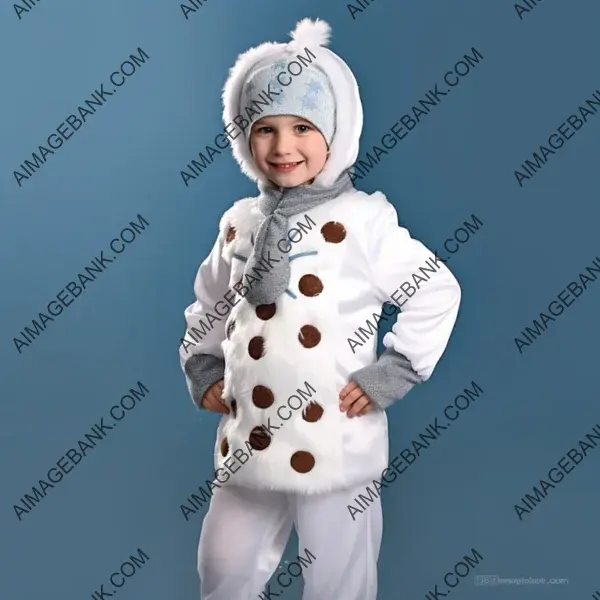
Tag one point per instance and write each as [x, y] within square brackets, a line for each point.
[283, 144]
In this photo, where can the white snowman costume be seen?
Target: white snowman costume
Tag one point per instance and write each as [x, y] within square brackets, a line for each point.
[349, 257]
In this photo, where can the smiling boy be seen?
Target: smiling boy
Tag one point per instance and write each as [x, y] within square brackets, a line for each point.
[291, 327]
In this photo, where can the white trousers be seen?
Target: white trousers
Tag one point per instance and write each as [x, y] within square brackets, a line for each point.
[245, 532]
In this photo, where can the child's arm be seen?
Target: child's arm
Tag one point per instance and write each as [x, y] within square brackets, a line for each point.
[429, 308]
[200, 352]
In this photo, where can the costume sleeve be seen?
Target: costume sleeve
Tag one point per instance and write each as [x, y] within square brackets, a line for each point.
[200, 352]
[404, 272]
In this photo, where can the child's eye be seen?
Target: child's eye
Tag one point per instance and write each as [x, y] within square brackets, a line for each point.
[264, 130]
[303, 128]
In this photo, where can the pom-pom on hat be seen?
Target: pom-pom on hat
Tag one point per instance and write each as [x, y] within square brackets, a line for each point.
[301, 78]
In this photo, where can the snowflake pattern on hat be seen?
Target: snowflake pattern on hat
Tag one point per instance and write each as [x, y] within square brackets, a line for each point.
[306, 94]
[310, 98]
[280, 65]
[279, 100]
[309, 101]
[314, 87]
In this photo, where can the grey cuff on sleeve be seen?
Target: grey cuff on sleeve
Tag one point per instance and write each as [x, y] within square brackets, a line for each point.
[203, 371]
[388, 380]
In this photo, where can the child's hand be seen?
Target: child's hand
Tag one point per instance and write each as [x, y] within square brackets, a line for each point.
[354, 400]
[212, 399]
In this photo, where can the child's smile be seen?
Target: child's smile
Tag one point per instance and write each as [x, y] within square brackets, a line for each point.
[285, 167]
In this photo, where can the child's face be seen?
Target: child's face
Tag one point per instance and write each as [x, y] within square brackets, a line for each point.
[289, 150]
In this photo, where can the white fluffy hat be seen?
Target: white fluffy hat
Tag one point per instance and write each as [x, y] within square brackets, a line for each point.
[308, 44]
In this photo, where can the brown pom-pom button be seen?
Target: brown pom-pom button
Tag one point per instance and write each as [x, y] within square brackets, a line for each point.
[309, 336]
[230, 235]
[256, 347]
[333, 232]
[224, 446]
[259, 438]
[310, 285]
[302, 461]
[265, 311]
[262, 396]
[230, 328]
[234, 408]
[313, 412]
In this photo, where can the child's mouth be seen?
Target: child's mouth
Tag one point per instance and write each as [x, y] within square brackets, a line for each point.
[285, 167]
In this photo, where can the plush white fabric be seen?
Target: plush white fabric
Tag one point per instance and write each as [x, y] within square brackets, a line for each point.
[358, 274]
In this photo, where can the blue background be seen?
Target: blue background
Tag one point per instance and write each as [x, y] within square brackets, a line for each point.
[126, 327]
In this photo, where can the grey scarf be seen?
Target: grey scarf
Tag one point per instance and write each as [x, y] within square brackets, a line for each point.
[278, 204]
